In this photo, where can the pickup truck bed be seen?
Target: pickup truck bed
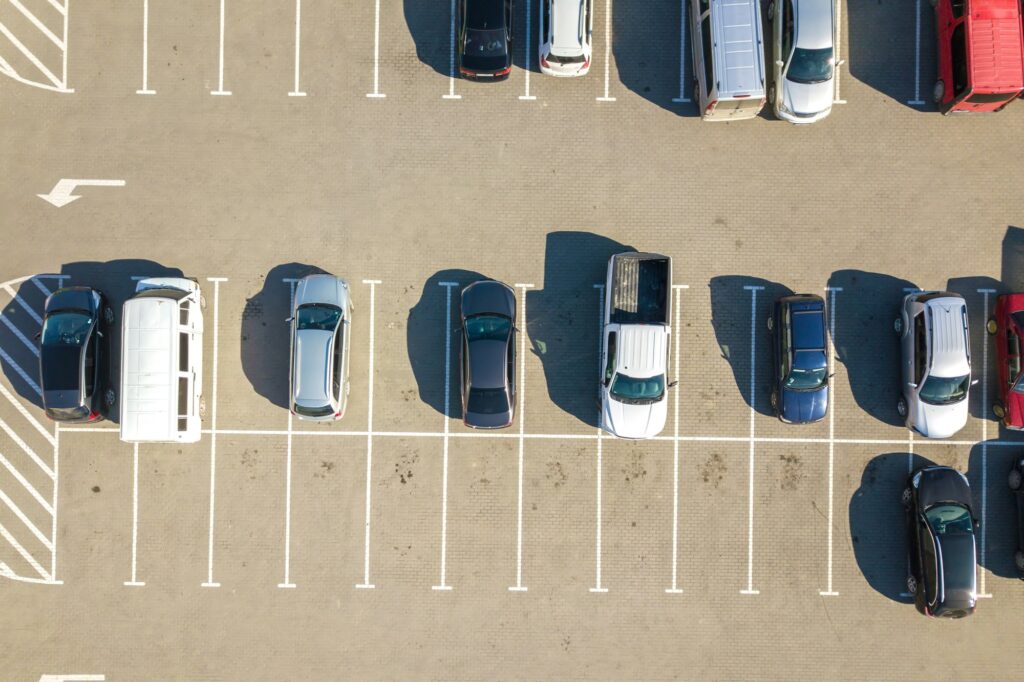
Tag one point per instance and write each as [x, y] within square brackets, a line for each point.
[640, 286]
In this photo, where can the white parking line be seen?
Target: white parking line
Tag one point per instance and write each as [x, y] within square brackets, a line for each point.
[600, 465]
[135, 516]
[910, 470]
[675, 447]
[28, 450]
[25, 554]
[287, 582]
[22, 373]
[447, 390]
[296, 90]
[753, 399]
[451, 63]
[42, 287]
[836, 99]
[213, 422]
[683, 97]
[21, 337]
[366, 584]
[376, 54]
[917, 101]
[220, 82]
[24, 304]
[53, 505]
[831, 292]
[607, 49]
[984, 448]
[522, 418]
[529, 23]
[145, 51]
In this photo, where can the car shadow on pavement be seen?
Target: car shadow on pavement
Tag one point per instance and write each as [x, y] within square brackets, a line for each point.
[426, 330]
[430, 24]
[878, 524]
[735, 315]
[1012, 273]
[992, 465]
[880, 51]
[865, 339]
[971, 288]
[265, 345]
[563, 319]
[645, 46]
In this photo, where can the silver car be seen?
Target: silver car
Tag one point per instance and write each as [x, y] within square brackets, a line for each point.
[935, 363]
[803, 33]
[319, 368]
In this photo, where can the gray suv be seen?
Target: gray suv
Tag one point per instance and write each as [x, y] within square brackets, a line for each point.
[319, 368]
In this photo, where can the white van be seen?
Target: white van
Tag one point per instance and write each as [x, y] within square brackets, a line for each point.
[728, 58]
[162, 362]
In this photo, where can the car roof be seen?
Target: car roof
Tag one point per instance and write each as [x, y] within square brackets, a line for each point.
[566, 16]
[149, 362]
[641, 350]
[996, 53]
[814, 28]
[948, 324]
[487, 363]
[736, 25]
[808, 329]
[485, 14]
[311, 371]
[958, 559]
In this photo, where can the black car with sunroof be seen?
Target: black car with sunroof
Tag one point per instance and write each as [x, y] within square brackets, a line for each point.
[799, 333]
[941, 542]
[73, 352]
[488, 355]
[485, 39]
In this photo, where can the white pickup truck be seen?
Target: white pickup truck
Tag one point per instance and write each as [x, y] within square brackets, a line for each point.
[635, 345]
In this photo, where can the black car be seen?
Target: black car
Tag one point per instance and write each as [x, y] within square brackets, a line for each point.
[485, 38]
[943, 553]
[1016, 481]
[73, 355]
[488, 355]
[799, 335]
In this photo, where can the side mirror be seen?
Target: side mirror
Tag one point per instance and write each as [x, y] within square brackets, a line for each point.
[673, 384]
[974, 382]
[289, 320]
[99, 333]
[831, 375]
[912, 384]
[977, 524]
[779, 63]
[38, 335]
[840, 63]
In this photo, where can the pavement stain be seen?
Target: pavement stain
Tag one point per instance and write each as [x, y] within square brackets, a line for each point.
[249, 462]
[405, 464]
[556, 474]
[325, 468]
[713, 469]
[792, 472]
[634, 469]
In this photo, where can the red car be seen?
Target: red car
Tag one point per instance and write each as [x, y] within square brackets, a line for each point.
[1007, 325]
[981, 54]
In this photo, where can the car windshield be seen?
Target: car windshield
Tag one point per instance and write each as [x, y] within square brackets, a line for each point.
[487, 328]
[810, 66]
[805, 379]
[638, 391]
[489, 43]
[487, 401]
[318, 316]
[949, 519]
[66, 329]
[945, 390]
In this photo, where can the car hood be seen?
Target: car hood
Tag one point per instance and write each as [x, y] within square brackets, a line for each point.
[940, 421]
[81, 298]
[488, 297]
[959, 568]
[808, 98]
[633, 421]
[804, 406]
[942, 484]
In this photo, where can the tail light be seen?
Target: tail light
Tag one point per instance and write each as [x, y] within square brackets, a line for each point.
[586, 64]
[504, 72]
[544, 63]
[711, 105]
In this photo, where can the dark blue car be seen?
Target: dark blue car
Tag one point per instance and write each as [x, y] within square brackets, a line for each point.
[799, 334]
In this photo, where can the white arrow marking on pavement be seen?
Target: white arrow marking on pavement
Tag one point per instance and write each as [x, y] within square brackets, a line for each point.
[72, 678]
[61, 194]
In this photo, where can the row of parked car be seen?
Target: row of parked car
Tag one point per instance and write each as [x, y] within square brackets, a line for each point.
[980, 62]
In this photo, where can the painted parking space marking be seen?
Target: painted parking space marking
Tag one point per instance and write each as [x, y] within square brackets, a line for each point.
[376, 94]
[600, 468]
[287, 582]
[213, 422]
[674, 589]
[447, 392]
[451, 62]
[831, 292]
[750, 474]
[134, 582]
[36, 65]
[145, 89]
[683, 97]
[607, 50]
[296, 90]
[838, 38]
[366, 584]
[518, 587]
[983, 594]
[529, 47]
[220, 91]
[917, 101]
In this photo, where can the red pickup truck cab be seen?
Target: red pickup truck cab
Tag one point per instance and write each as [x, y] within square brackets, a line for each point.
[1007, 326]
[981, 54]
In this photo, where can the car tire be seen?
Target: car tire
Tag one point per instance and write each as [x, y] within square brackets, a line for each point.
[202, 302]
[938, 91]
[897, 326]
[992, 326]
[774, 399]
[202, 407]
[109, 397]
[696, 93]
[999, 410]
[772, 94]
[911, 585]
[906, 497]
[770, 323]
[771, 11]
[901, 406]
[108, 315]
[1014, 479]
[1018, 560]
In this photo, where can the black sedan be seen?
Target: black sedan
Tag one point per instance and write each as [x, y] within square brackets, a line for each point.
[485, 38]
[1016, 480]
[800, 359]
[488, 355]
[943, 554]
[73, 355]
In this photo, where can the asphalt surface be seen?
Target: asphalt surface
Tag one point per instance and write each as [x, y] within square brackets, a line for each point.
[734, 547]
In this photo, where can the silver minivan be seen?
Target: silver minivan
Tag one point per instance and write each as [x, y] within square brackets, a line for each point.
[319, 367]
[728, 58]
